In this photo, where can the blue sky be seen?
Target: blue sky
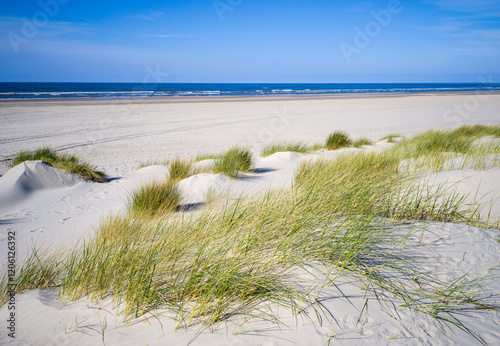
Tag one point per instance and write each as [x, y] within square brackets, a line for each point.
[250, 41]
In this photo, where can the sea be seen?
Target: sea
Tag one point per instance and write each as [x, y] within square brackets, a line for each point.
[133, 90]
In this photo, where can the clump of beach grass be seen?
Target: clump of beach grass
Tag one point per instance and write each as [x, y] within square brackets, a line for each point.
[179, 169]
[66, 162]
[154, 199]
[437, 150]
[45, 154]
[282, 147]
[317, 146]
[370, 184]
[435, 141]
[337, 140]
[207, 156]
[390, 138]
[232, 162]
[477, 130]
[361, 141]
[151, 163]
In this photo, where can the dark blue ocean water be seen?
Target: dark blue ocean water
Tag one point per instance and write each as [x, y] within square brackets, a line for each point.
[126, 90]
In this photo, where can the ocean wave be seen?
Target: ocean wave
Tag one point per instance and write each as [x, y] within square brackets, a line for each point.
[119, 90]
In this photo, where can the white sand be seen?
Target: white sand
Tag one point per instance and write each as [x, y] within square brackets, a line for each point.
[119, 135]
[30, 176]
[58, 211]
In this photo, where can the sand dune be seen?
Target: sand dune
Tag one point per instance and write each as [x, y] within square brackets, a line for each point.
[31, 176]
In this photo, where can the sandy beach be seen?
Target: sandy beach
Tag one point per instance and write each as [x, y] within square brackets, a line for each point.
[119, 135]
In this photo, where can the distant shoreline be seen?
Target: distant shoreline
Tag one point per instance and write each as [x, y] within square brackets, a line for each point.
[231, 98]
[180, 92]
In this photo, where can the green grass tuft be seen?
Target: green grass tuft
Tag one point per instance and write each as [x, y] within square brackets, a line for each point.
[435, 141]
[179, 170]
[317, 146]
[153, 200]
[281, 147]
[477, 131]
[390, 138]
[436, 150]
[151, 163]
[202, 157]
[361, 141]
[372, 184]
[65, 162]
[235, 160]
[45, 154]
[337, 140]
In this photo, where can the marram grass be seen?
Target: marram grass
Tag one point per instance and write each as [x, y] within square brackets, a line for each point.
[361, 141]
[232, 162]
[438, 150]
[207, 156]
[45, 154]
[337, 140]
[243, 257]
[179, 169]
[65, 162]
[282, 147]
[371, 184]
[151, 163]
[154, 199]
[225, 263]
[390, 138]
[477, 130]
